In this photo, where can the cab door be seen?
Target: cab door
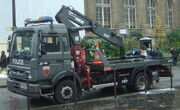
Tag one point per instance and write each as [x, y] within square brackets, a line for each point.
[51, 61]
[66, 52]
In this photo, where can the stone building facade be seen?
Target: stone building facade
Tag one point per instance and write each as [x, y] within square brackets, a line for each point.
[134, 14]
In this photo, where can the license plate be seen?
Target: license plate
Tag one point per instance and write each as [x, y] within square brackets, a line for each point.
[124, 81]
[23, 86]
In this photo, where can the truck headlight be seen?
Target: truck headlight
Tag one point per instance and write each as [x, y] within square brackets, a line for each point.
[28, 74]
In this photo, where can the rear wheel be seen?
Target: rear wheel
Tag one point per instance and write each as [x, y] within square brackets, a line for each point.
[141, 83]
[65, 92]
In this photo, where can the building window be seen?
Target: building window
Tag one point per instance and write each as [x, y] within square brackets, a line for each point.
[102, 1]
[129, 13]
[169, 13]
[103, 12]
[99, 1]
[129, 2]
[151, 13]
[99, 15]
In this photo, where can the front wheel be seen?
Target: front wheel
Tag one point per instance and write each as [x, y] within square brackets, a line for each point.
[141, 83]
[65, 92]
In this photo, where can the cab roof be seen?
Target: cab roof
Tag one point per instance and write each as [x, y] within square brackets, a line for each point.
[44, 28]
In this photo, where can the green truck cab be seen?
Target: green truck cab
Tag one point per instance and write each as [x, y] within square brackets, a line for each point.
[40, 55]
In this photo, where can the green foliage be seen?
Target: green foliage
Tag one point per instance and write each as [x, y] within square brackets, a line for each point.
[129, 42]
[135, 34]
[132, 39]
[88, 44]
[173, 39]
[110, 50]
[159, 33]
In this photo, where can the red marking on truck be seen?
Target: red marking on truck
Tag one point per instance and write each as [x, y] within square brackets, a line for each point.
[46, 70]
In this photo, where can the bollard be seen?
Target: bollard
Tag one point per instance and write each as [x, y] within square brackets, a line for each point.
[171, 82]
[145, 76]
[171, 79]
[75, 88]
[115, 84]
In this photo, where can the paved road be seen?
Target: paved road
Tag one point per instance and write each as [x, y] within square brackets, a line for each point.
[165, 82]
[11, 101]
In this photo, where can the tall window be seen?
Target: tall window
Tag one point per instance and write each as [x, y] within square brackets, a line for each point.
[103, 12]
[129, 13]
[151, 13]
[169, 13]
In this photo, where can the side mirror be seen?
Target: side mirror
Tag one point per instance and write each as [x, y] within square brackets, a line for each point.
[43, 48]
[9, 43]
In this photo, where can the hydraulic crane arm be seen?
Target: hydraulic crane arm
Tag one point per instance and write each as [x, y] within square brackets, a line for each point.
[75, 21]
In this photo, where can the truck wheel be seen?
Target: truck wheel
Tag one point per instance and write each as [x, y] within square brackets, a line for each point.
[139, 82]
[65, 92]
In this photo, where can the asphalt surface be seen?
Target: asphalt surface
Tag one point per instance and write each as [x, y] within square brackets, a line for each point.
[3, 77]
[102, 98]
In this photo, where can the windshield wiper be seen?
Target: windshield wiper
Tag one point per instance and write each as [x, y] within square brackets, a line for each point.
[22, 54]
[25, 55]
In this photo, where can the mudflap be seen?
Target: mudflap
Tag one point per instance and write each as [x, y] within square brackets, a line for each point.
[165, 71]
[123, 79]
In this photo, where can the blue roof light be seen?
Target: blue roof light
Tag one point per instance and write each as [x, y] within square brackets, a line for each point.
[39, 20]
[46, 19]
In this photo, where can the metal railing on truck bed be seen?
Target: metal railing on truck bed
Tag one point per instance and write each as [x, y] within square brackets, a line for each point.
[129, 62]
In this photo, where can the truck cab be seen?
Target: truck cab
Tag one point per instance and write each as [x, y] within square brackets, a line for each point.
[38, 54]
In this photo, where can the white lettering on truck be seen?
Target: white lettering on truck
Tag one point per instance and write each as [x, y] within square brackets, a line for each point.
[18, 61]
[76, 18]
[105, 35]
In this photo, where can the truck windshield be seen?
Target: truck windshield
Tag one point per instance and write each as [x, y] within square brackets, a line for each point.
[21, 45]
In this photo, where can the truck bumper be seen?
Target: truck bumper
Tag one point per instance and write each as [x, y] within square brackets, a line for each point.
[21, 88]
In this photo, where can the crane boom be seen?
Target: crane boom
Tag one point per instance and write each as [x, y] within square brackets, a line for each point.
[76, 21]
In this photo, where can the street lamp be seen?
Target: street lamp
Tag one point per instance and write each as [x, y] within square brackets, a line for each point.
[13, 14]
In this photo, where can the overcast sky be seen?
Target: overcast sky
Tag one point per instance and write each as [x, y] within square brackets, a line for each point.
[31, 9]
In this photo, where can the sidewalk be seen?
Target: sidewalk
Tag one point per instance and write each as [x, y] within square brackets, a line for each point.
[3, 78]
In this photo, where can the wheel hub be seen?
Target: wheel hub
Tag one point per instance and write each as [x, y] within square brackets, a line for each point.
[141, 83]
[67, 92]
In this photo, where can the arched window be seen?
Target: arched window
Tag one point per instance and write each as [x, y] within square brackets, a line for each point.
[103, 12]
[169, 13]
[129, 13]
[151, 13]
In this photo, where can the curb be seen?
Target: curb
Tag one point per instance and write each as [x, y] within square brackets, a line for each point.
[2, 83]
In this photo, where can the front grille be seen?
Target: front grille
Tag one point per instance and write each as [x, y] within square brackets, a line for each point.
[17, 71]
[19, 80]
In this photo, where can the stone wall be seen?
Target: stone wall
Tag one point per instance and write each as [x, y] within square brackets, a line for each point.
[117, 14]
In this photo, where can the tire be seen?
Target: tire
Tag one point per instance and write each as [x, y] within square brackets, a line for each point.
[65, 92]
[140, 84]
